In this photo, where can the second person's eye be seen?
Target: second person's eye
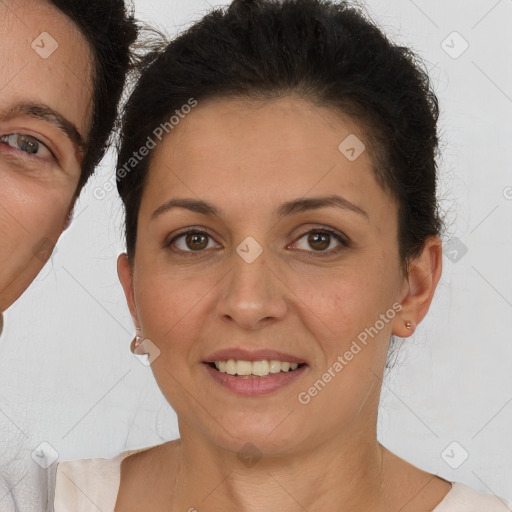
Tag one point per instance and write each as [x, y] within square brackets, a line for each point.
[26, 144]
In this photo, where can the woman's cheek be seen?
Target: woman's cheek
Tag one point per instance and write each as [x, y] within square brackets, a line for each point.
[164, 301]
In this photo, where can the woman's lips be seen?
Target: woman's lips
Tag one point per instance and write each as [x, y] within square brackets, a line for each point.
[251, 385]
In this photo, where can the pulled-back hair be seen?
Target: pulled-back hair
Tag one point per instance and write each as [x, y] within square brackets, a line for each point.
[329, 53]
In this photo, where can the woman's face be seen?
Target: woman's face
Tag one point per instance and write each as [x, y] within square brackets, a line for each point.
[45, 113]
[278, 273]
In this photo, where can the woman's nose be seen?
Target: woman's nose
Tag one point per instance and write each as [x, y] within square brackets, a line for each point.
[252, 294]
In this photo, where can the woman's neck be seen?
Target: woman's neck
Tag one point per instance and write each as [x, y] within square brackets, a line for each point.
[318, 478]
[190, 475]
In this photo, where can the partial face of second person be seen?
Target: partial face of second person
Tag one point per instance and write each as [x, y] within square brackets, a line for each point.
[305, 295]
[45, 114]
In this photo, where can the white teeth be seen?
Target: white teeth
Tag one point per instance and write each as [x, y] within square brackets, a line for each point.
[275, 366]
[258, 368]
[230, 367]
[243, 368]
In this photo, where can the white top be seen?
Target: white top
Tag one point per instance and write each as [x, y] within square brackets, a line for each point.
[93, 484]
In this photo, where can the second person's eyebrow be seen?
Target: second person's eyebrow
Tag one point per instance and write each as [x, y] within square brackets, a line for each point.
[287, 208]
[44, 113]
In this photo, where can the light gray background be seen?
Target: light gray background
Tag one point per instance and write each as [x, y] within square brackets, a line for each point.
[67, 376]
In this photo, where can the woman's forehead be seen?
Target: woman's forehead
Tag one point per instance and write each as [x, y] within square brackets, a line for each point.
[287, 135]
[262, 155]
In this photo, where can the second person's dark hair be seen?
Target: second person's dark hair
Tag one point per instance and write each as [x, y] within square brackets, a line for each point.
[328, 52]
[110, 29]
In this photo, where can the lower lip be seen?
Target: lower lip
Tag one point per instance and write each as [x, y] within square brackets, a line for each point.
[255, 386]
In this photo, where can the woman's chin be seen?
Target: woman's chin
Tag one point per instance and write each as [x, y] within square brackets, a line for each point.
[254, 441]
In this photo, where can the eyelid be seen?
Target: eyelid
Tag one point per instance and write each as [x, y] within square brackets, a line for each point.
[37, 138]
[187, 231]
[344, 241]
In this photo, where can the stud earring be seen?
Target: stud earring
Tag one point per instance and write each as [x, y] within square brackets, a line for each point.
[408, 325]
[136, 341]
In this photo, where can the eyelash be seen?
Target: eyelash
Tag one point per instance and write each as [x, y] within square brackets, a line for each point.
[25, 153]
[344, 242]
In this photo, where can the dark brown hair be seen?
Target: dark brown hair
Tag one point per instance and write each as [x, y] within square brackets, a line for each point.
[328, 52]
[110, 29]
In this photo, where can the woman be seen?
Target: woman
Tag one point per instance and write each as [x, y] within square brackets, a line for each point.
[59, 89]
[278, 173]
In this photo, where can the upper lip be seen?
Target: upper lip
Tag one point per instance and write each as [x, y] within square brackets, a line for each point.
[252, 355]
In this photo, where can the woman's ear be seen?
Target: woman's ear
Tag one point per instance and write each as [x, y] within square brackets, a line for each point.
[124, 273]
[419, 287]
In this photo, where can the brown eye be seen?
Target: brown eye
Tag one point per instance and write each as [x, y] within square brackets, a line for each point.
[191, 241]
[196, 241]
[319, 240]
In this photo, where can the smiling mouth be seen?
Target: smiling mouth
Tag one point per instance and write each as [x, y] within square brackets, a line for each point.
[248, 369]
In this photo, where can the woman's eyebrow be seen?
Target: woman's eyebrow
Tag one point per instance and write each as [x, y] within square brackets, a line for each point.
[287, 208]
[44, 113]
[314, 203]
